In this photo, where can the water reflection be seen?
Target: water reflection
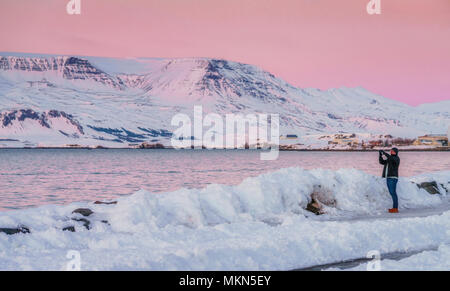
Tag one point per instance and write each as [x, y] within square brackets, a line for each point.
[35, 177]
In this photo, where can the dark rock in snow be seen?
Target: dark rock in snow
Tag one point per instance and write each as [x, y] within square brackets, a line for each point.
[320, 198]
[430, 187]
[11, 231]
[86, 223]
[314, 207]
[106, 203]
[323, 196]
[69, 228]
[83, 211]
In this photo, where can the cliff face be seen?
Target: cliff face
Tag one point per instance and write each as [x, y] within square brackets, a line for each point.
[70, 68]
[47, 119]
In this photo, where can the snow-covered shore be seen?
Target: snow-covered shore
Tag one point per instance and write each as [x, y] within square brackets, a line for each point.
[261, 224]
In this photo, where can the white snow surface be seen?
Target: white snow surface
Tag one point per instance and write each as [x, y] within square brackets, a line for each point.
[260, 224]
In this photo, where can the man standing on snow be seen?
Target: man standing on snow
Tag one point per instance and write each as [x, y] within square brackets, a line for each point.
[390, 172]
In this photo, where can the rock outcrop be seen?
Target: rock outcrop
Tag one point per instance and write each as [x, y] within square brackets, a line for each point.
[7, 118]
[430, 187]
[11, 231]
[70, 68]
[83, 211]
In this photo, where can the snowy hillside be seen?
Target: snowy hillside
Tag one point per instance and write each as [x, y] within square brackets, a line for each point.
[123, 101]
[49, 125]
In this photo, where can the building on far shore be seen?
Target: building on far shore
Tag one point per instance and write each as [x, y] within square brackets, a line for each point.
[73, 146]
[345, 140]
[289, 136]
[436, 140]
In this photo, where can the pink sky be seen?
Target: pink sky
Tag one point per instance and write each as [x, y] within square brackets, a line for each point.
[403, 54]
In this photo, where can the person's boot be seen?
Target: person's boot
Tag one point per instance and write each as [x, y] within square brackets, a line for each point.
[393, 210]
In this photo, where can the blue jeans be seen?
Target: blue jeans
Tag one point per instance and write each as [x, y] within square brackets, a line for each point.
[392, 186]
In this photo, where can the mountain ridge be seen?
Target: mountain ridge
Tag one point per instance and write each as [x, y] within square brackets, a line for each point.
[119, 107]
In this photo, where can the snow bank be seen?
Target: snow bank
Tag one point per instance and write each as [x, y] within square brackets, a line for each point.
[269, 196]
[260, 224]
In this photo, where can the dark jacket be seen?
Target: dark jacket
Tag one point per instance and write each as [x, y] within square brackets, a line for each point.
[392, 163]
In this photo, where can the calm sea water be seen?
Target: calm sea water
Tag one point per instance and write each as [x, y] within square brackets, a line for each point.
[32, 177]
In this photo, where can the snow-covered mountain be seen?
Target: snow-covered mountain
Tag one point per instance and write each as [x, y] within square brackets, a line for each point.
[114, 102]
[29, 124]
[69, 68]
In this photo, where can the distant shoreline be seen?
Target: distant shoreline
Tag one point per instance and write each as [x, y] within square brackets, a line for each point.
[169, 148]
